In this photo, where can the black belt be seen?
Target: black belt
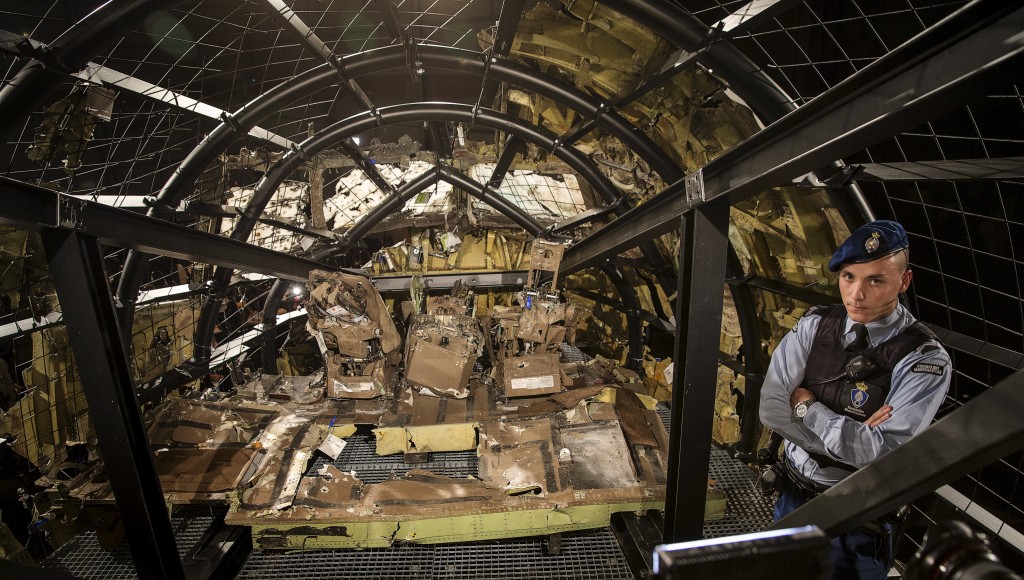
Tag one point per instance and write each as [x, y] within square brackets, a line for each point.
[810, 489]
[806, 487]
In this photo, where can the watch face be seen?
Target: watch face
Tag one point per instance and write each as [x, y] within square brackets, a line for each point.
[801, 409]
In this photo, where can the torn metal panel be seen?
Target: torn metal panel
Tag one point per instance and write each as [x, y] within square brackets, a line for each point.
[531, 375]
[285, 447]
[202, 471]
[597, 456]
[442, 350]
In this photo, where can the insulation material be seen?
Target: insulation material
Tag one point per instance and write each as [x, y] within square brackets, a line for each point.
[425, 438]
[286, 204]
[532, 375]
[547, 198]
[357, 194]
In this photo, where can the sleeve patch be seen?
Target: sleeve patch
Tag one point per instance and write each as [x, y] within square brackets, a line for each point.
[929, 368]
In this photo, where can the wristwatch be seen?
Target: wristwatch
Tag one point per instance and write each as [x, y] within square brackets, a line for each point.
[800, 409]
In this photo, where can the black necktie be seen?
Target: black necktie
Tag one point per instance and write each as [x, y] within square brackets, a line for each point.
[861, 341]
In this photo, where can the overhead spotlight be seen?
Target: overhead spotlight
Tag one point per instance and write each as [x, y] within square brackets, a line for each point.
[297, 290]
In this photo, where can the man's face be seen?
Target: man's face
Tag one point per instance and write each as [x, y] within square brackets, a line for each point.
[870, 290]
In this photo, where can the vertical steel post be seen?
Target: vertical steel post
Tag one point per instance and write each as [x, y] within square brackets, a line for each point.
[704, 245]
[76, 268]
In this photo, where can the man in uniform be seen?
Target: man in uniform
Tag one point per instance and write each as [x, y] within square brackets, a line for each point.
[851, 382]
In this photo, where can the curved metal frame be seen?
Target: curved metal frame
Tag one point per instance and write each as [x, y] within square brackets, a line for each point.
[675, 24]
[368, 120]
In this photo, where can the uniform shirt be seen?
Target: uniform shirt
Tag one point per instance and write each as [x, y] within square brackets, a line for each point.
[916, 394]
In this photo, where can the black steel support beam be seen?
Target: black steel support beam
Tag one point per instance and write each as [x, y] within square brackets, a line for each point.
[230, 211]
[512, 147]
[508, 23]
[391, 204]
[76, 269]
[32, 207]
[291, 22]
[943, 68]
[649, 317]
[812, 297]
[984, 430]
[505, 32]
[705, 239]
[584, 217]
[952, 170]
[493, 199]
[631, 308]
[367, 166]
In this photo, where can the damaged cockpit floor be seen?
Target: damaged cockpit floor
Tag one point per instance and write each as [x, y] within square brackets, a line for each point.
[543, 464]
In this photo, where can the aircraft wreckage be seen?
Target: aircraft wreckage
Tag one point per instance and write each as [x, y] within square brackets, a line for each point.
[559, 440]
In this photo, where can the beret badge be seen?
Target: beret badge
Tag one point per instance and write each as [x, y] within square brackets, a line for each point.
[871, 244]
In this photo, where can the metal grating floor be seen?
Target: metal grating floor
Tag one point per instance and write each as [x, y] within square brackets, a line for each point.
[592, 555]
[360, 456]
[83, 557]
[747, 510]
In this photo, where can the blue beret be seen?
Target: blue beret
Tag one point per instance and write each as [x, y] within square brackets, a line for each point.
[869, 242]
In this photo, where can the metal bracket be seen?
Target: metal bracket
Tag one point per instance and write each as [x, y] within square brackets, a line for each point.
[694, 183]
[69, 213]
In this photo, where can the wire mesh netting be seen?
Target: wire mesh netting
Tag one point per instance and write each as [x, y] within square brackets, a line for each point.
[120, 128]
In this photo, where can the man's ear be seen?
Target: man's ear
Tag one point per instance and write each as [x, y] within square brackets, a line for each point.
[908, 275]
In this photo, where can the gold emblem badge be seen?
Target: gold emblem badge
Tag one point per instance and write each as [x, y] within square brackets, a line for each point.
[871, 244]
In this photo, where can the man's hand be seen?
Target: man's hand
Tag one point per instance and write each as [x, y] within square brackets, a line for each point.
[799, 394]
[881, 416]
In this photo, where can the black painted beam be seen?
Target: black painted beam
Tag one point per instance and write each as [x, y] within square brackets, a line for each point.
[230, 211]
[366, 165]
[505, 32]
[76, 269]
[984, 430]
[705, 238]
[950, 64]
[32, 207]
[293, 24]
[951, 170]
[493, 199]
[511, 148]
[584, 217]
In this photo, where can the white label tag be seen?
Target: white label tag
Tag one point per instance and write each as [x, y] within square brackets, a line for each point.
[360, 387]
[544, 382]
[332, 446]
[668, 373]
